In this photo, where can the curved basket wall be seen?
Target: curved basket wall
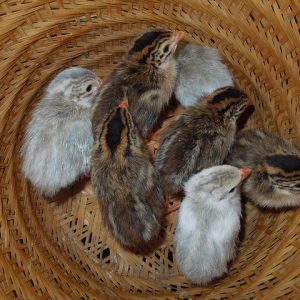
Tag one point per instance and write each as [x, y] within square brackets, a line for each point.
[60, 250]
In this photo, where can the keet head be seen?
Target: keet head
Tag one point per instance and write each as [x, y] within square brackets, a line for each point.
[282, 171]
[217, 183]
[75, 84]
[118, 133]
[155, 47]
[230, 102]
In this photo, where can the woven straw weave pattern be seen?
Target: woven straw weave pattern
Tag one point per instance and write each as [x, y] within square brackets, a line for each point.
[60, 250]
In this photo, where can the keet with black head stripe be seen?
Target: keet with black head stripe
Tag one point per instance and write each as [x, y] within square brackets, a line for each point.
[148, 74]
[200, 137]
[126, 183]
[275, 179]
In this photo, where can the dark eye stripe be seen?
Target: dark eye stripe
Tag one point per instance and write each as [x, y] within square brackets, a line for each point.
[241, 107]
[168, 54]
[288, 187]
[155, 46]
[145, 56]
[288, 177]
[287, 163]
[290, 180]
[166, 48]
[79, 83]
[230, 92]
[287, 184]
[226, 108]
[147, 39]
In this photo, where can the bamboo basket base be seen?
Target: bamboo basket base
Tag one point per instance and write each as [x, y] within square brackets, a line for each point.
[60, 249]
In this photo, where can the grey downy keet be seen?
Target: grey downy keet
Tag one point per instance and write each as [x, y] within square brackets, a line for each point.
[209, 223]
[200, 71]
[57, 144]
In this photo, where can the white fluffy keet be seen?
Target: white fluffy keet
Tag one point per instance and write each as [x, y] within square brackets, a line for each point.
[209, 223]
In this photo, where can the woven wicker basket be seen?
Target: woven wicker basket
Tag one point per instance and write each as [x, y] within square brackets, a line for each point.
[60, 250]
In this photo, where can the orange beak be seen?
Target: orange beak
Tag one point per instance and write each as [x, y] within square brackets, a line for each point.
[100, 84]
[178, 35]
[249, 102]
[245, 172]
[123, 104]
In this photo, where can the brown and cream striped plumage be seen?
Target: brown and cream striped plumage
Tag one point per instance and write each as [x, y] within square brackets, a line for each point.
[147, 72]
[275, 179]
[126, 183]
[200, 137]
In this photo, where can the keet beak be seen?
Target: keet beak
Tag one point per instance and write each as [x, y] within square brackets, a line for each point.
[123, 104]
[100, 84]
[178, 35]
[249, 102]
[245, 172]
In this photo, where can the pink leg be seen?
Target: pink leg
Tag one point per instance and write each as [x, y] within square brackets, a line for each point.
[155, 136]
[169, 208]
[88, 189]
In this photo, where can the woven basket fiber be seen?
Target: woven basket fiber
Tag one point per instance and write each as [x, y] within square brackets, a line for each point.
[60, 250]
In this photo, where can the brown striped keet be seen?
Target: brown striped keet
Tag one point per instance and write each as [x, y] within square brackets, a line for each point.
[126, 183]
[275, 179]
[147, 72]
[200, 137]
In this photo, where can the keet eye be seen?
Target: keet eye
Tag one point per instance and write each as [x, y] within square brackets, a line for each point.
[232, 190]
[88, 88]
[166, 49]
